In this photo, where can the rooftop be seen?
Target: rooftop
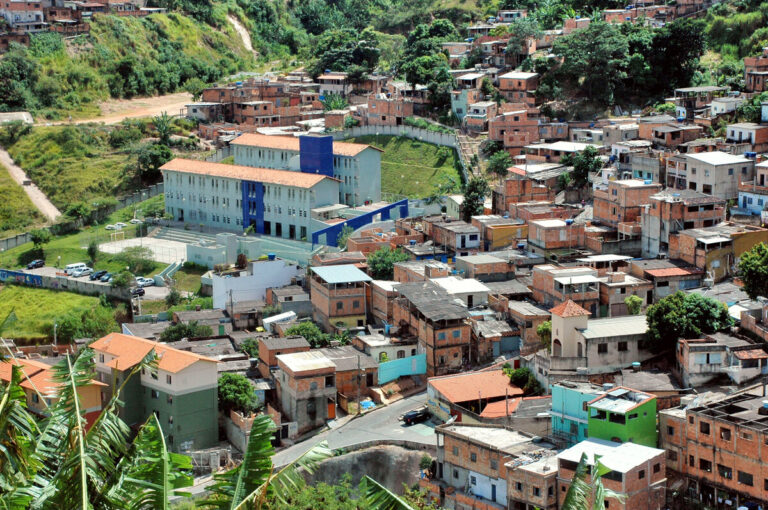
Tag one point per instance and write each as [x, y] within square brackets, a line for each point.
[620, 457]
[518, 75]
[479, 259]
[127, 351]
[497, 438]
[526, 308]
[718, 158]
[432, 301]
[627, 325]
[455, 285]
[742, 409]
[288, 342]
[306, 361]
[562, 146]
[491, 384]
[492, 328]
[246, 173]
[685, 195]
[348, 358]
[568, 309]
[604, 258]
[620, 400]
[645, 380]
[346, 273]
[291, 143]
[508, 287]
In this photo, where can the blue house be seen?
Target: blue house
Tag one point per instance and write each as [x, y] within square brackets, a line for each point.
[570, 413]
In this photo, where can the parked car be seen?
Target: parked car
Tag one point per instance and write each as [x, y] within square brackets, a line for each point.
[120, 224]
[35, 264]
[416, 416]
[77, 273]
[110, 227]
[106, 277]
[138, 291]
[144, 282]
[135, 221]
[96, 275]
[71, 268]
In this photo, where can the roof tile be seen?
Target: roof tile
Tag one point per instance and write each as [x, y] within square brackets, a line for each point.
[246, 173]
[291, 143]
[130, 350]
[475, 385]
[569, 309]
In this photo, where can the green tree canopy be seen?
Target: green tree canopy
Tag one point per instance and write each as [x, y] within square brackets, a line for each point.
[753, 266]
[684, 315]
[39, 237]
[634, 304]
[178, 331]
[381, 263]
[585, 163]
[474, 197]
[544, 331]
[311, 333]
[237, 393]
[499, 164]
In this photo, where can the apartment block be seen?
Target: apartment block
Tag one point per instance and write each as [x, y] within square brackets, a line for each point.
[637, 473]
[182, 392]
[719, 449]
[339, 296]
[671, 211]
[427, 311]
[356, 167]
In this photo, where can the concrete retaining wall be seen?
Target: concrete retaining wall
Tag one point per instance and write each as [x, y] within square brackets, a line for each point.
[63, 283]
[425, 135]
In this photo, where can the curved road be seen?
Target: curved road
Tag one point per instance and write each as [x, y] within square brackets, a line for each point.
[35, 195]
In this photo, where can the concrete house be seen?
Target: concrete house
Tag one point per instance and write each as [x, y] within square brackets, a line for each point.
[756, 72]
[182, 392]
[718, 173]
[753, 194]
[553, 286]
[570, 414]
[703, 360]
[748, 132]
[306, 388]
[623, 415]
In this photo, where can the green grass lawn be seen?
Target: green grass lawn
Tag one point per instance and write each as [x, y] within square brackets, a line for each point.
[72, 248]
[410, 167]
[16, 209]
[37, 309]
[188, 279]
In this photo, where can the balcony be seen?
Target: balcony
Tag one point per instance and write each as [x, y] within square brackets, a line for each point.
[753, 187]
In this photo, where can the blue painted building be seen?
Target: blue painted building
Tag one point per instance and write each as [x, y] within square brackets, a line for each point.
[570, 414]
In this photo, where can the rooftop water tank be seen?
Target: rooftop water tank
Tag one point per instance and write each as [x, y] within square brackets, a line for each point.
[270, 256]
[569, 221]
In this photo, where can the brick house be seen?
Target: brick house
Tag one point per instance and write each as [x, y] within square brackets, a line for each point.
[382, 296]
[555, 285]
[666, 276]
[637, 472]
[527, 317]
[339, 296]
[429, 312]
[420, 270]
[519, 188]
[306, 389]
[485, 268]
[755, 72]
[518, 87]
[718, 449]
[355, 370]
[546, 236]
[673, 210]
[618, 286]
[387, 111]
[623, 201]
[497, 232]
[271, 347]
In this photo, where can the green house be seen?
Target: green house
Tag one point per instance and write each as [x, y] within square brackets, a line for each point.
[182, 392]
[624, 415]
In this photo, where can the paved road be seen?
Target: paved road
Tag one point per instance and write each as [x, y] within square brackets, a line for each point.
[379, 424]
[35, 195]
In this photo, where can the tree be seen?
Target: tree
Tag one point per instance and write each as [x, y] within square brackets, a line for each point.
[524, 379]
[163, 127]
[242, 261]
[346, 232]
[544, 331]
[178, 331]
[584, 495]
[634, 304]
[40, 237]
[684, 315]
[195, 86]
[311, 334]
[122, 280]
[237, 393]
[753, 268]
[151, 158]
[381, 263]
[93, 251]
[251, 347]
[499, 164]
[173, 297]
[270, 310]
[585, 163]
[564, 180]
[334, 102]
[474, 197]
[521, 32]
[594, 60]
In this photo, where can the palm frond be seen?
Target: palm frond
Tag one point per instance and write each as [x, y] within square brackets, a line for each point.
[375, 496]
[577, 497]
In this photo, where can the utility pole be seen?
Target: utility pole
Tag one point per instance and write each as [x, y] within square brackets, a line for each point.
[359, 382]
[55, 326]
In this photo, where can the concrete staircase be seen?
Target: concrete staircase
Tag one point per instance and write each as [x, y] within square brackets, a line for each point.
[469, 147]
[182, 236]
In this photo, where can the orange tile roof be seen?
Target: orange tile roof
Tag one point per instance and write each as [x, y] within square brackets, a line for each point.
[28, 366]
[499, 409]
[568, 309]
[291, 143]
[751, 354]
[475, 385]
[38, 376]
[130, 350]
[246, 173]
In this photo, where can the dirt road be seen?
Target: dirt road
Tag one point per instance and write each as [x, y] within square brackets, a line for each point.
[115, 111]
[38, 197]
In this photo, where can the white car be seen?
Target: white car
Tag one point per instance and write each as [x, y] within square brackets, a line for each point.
[82, 272]
[135, 221]
[120, 225]
[144, 282]
[110, 227]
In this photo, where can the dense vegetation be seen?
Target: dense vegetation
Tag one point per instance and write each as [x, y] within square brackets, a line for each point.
[16, 209]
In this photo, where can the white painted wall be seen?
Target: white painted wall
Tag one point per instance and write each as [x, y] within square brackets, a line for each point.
[200, 375]
[482, 487]
[266, 274]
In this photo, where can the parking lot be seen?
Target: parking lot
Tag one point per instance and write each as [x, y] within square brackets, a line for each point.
[152, 293]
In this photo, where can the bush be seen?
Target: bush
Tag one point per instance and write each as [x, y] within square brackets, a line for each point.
[251, 347]
[178, 331]
[237, 393]
[122, 280]
[137, 259]
[173, 298]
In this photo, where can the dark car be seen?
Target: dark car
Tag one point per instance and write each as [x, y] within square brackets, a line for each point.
[138, 291]
[98, 274]
[416, 416]
[36, 263]
[105, 277]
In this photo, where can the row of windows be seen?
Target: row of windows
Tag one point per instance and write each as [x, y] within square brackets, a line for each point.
[536, 491]
[603, 348]
[725, 472]
[340, 304]
[455, 334]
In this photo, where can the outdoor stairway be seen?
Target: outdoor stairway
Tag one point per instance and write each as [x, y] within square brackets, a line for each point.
[182, 236]
[470, 147]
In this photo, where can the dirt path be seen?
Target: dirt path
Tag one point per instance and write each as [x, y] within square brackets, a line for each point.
[38, 197]
[240, 29]
[115, 111]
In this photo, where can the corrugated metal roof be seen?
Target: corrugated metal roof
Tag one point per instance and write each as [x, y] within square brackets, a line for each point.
[616, 326]
[346, 273]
